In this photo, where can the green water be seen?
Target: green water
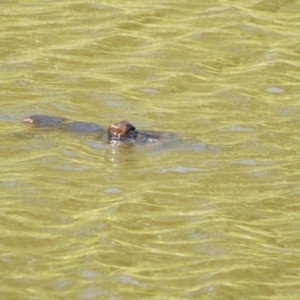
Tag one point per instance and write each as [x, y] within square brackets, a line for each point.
[214, 214]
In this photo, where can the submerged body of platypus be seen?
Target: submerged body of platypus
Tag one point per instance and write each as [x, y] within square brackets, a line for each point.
[122, 131]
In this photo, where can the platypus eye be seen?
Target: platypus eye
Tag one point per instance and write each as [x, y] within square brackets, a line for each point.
[130, 128]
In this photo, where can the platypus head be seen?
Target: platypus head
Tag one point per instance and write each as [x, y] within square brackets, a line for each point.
[122, 130]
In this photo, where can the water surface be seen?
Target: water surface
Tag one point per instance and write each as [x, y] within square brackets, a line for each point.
[212, 215]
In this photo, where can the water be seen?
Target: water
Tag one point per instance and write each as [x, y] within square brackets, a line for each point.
[212, 215]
